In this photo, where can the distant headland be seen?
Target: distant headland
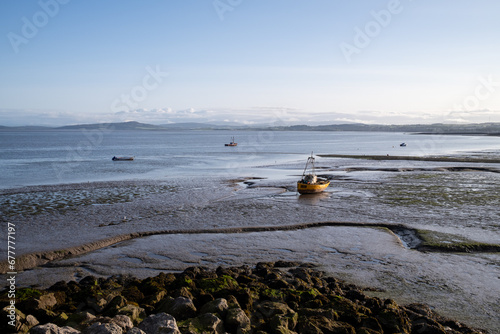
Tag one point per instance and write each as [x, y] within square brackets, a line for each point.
[486, 129]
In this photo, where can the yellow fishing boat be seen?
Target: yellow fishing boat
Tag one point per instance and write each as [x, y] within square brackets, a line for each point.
[310, 183]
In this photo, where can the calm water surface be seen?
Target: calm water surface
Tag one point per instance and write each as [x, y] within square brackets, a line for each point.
[53, 157]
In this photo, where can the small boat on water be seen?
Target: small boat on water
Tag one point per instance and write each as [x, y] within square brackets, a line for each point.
[402, 144]
[232, 143]
[122, 158]
[310, 183]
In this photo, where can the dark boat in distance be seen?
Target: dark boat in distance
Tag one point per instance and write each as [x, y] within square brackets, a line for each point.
[232, 143]
[122, 158]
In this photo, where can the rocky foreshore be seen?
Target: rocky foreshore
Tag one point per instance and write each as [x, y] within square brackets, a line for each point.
[272, 297]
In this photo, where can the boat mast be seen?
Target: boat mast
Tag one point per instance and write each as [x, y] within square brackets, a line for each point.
[309, 160]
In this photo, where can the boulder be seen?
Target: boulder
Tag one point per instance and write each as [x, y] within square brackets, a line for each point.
[269, 308]
[80, 319]
[364, 330]
[46, 302]
[180, 308]
[53, 329]
[107, 328]
[114, 305]
[61, 319]
[132, 293]
[30, 321]
[283, 323]
[348, 310]
[41, 307]
[371, 323]
[155, 297]
[135, 313]
[237, 320]
[160, 323]
[136, 330]
[427, 326]
[123, 321]
[22, 322]
[320, 324]
[204, 323]
[327, 313]
[221, 284]
[88, 281]
[96, 303]
[218, 306]
[394, 321]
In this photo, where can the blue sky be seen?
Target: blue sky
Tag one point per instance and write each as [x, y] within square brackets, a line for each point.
[249, 61]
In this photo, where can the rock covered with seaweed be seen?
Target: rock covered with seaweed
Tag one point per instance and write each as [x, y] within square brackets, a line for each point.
[274, 297]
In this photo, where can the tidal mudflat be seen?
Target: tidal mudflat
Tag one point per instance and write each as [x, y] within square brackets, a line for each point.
[140, 228]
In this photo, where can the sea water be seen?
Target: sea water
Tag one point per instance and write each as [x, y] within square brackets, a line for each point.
[55, 157]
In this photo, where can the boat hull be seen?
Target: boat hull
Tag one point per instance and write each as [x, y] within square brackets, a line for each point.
[312, 188]
[122, 158]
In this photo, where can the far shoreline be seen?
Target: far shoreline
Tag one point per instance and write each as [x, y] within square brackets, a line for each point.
[415, 158]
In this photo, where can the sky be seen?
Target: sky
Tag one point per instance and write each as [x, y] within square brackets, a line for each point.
[249, 61]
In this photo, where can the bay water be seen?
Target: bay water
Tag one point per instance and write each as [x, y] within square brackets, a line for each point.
[55, 157]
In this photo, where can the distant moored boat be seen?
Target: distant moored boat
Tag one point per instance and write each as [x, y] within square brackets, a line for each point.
[122, 158]
[232, 143]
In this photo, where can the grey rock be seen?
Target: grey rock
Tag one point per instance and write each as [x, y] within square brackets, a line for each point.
[45, 302]
[237, 320]
[181, 307]
[218, 306]
[136, 330]
[205, 323]
[108, 328]
[31, 321]
[160, 323]
[156, 297]
[269, 308]
[135, 313]
[78, 318]
[53, 329]
[114, 305]
[96, 304]
[22, 322]
[123, 321]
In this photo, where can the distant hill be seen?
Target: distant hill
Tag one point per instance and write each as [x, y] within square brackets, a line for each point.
[188, 126]
[115, 126]
[208, 126]
[24, 128]
[438, 128]
[491, 129]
